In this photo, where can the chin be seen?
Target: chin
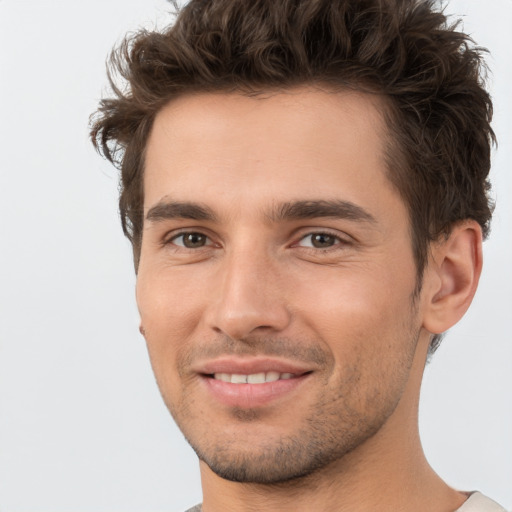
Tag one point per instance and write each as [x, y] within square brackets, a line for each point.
[283, 461]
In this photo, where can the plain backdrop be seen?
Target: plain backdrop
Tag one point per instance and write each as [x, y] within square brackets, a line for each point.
[82, 425]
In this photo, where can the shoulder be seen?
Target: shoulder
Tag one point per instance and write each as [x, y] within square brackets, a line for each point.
[477, 502]
[197, 508]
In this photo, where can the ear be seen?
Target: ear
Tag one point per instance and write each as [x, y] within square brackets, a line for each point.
[452, 275]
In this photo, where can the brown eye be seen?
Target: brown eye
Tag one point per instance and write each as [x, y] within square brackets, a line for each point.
[191, 240]
[319, 240]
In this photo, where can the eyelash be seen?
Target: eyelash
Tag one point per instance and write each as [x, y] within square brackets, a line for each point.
[171, 240]
[338, 241]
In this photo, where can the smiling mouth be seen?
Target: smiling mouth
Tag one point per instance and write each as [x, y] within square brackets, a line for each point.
[256, 388]
[254, 378]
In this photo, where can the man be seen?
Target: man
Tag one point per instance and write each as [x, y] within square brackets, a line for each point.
[305, 188]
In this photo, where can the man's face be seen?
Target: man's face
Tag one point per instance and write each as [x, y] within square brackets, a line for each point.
[276, 279]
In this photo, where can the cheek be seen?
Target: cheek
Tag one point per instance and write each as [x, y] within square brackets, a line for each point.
[371, 336]
[363, 297]
[166, 306]
[169, 317]
[350, 309]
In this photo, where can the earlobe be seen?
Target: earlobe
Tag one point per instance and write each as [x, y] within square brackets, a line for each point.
[453, 274]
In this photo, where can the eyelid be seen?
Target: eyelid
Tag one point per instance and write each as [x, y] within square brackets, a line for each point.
[342, 238]
[171, 236]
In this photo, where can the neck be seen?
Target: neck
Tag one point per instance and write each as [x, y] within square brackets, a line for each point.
[389, 473]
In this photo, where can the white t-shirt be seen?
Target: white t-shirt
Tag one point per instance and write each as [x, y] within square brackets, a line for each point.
[477, 502]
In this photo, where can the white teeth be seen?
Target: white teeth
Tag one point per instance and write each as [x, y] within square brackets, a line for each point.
[272, 376]
[253, 378]
[256, 378]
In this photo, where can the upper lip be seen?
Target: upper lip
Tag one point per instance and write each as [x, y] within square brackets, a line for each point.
[249, 366]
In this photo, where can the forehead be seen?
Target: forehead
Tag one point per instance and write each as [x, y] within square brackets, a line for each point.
[292, 145]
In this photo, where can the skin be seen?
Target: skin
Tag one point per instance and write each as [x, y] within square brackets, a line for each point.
[332, 296]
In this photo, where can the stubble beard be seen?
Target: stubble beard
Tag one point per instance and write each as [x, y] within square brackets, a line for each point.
[333, 427]
[288, 459]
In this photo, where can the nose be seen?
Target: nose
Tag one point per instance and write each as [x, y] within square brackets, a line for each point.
[251, 297]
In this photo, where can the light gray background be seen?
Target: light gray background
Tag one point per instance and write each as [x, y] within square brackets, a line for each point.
[82, 426]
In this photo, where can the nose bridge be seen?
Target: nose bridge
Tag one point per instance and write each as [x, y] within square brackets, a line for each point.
[249, 296]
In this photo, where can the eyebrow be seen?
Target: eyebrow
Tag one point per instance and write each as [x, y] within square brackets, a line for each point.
[167, 210]
[287, 211]
[338, 209]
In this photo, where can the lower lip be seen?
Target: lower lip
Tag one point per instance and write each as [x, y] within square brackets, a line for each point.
[248, 396]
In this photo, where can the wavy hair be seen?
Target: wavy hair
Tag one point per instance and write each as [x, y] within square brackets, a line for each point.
[431, 74]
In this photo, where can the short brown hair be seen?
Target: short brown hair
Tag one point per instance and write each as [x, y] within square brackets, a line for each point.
[431, 75]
